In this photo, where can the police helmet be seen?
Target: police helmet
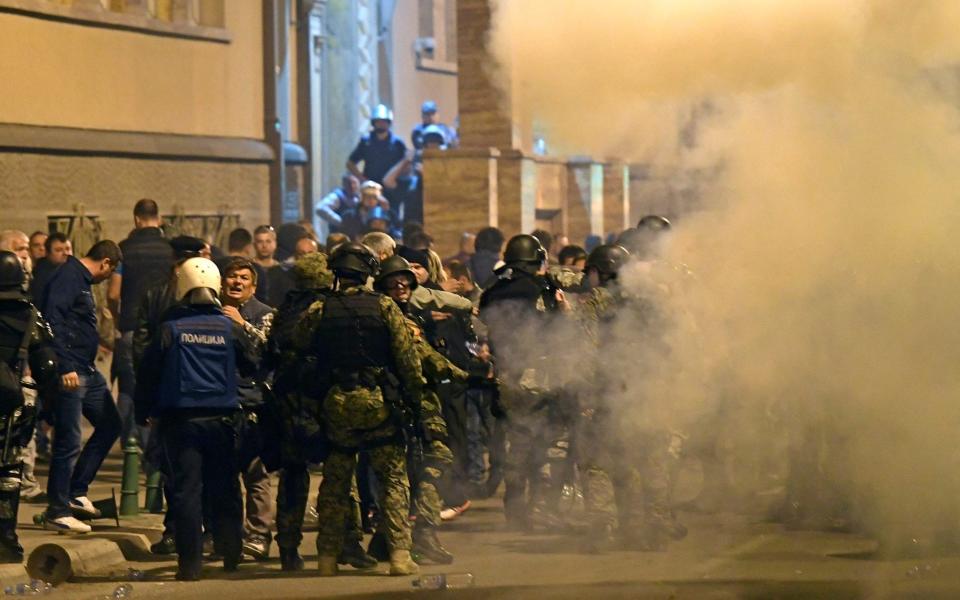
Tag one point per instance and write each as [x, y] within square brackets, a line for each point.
[434, 133]
[524, 248]
[352, 259]
[607, 259]
[197, 273]
[381, 113]
[12, 276]
[392, 266]
[428, 108]
[654, 223]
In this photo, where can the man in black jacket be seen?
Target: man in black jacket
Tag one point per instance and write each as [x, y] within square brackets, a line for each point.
[147, 259]
[154, 303]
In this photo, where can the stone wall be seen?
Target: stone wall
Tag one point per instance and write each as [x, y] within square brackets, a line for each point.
[36, 186]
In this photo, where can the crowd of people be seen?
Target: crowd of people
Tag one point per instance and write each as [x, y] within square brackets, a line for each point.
[414, 383]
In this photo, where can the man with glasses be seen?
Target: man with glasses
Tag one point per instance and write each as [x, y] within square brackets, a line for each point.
[69, 308]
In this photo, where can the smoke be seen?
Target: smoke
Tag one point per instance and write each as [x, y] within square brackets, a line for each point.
[822, 305]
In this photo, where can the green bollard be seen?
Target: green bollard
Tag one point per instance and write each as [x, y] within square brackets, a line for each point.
[129, 486]
[154, 499]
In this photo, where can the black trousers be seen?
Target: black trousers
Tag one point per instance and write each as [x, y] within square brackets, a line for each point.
[201, 455]
[453, 402]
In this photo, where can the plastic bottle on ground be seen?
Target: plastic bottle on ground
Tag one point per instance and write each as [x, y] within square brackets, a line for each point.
[444, 581]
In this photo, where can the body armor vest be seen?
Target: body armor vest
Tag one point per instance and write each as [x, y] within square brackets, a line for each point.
[199, 367]
[352, 333]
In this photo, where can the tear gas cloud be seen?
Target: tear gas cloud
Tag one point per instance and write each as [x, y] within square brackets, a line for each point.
[826, 270]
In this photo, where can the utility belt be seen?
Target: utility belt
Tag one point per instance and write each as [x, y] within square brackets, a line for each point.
[397, 439]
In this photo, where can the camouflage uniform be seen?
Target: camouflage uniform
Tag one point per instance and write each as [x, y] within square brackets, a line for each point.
[615, 461]
[357, 415]
[297, 414]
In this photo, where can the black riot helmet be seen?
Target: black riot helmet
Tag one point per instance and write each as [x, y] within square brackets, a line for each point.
[524, 248]
[353, 261]
[654, 223]
[392, 266]
[12, 276]
[607, 260]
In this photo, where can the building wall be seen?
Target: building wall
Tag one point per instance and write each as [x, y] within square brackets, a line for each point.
[36, 186]
[70, 75]
[80, 82]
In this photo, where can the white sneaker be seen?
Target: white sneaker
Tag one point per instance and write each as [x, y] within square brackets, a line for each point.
[67, 525]
[82, 505]
[452, 512]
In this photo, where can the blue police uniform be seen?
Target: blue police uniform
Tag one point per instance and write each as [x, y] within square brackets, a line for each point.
[378, 156]
[188, 380]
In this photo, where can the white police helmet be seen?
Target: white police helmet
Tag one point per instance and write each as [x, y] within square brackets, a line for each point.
[197, 273]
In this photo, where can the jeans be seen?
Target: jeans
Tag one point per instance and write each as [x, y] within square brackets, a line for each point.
[476, 469]
[72, 469]
[122, 370]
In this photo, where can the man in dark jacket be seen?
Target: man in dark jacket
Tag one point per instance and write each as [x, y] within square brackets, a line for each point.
[26, 342]
[57, 248]
[153, 305]
[486, 255]
[69, 308]
[147, 259]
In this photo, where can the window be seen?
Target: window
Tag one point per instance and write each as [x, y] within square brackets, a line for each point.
[194, 19]
[436, 48]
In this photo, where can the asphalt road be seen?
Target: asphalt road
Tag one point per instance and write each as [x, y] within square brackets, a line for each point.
[724, 556]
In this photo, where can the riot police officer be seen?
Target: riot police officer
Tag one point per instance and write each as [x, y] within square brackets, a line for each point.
[613, 457]
[25, 341]
[188, 382]
[516, 308]
[370, 380]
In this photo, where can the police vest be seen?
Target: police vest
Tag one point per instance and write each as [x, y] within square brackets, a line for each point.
[199, 366]
[352, 333]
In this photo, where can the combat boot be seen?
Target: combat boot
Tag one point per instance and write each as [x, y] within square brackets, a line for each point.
[290, 559]
[427, 547]
[402, 564]
[377, 548]
[353, 554]
[327, 566]
[10, 549]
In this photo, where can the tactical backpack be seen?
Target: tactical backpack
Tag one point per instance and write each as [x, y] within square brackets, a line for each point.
[11, 388]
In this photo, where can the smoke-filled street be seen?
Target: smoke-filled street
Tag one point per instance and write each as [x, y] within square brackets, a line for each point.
[481, 298]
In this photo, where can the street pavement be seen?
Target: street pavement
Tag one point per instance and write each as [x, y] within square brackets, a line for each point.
[724, 556]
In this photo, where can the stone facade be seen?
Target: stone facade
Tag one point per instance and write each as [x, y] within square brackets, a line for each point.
[36, 186]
